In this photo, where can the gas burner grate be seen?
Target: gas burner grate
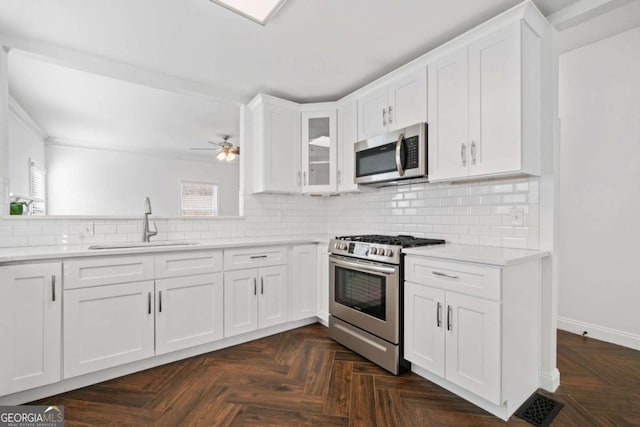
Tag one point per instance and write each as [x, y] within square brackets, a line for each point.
[401, 240]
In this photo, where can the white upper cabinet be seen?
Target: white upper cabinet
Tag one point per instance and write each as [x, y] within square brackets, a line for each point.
[347, 137]
[319, 151]
[275, 130]
[448, 116]
[484, 107]
[395, 105]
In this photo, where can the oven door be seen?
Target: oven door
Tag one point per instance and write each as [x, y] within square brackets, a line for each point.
[367, 295]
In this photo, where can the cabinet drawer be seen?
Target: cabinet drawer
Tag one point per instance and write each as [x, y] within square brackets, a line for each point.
[188, 263]
[470, 279]
[235, 259]
[84, 273]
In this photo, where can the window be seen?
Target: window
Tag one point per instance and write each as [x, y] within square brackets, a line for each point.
[198, 198]
[37, 178]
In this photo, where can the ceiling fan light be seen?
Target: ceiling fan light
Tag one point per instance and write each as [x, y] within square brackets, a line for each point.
[221, 155]
[230, 156]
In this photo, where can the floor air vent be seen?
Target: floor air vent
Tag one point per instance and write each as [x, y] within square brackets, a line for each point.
[539, 410]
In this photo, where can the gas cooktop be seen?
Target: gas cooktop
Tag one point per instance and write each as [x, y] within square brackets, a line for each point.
[401, 240]
[377, 247]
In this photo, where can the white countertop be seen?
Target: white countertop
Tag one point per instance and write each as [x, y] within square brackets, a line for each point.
[479, 254]
[32, 253]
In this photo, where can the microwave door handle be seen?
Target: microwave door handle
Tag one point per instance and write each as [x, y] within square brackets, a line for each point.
[398, 155]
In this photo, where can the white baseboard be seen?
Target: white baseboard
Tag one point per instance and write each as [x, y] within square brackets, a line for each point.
[550, 381]
[602, 333]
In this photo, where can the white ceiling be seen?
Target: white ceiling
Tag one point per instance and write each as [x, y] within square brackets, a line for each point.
[313, 50]
[79, 108]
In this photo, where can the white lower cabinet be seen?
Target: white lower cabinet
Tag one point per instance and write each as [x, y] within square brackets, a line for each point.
[454, 336]
[304, 281]
[255, 298]
[107, 326]
[474, 329]
[189, 311]
[30, 326]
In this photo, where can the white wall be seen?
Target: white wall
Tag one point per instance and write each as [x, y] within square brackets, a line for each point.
[599, 284]
[75, 176]
[24, 144]
[4, 132]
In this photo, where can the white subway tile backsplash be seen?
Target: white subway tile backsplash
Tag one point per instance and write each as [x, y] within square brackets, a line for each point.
[471, 213]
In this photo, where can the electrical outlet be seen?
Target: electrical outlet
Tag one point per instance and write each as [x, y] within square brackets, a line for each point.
[87, 229]
[517, 216]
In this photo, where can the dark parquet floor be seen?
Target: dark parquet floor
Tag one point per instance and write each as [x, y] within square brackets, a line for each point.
[302, 377]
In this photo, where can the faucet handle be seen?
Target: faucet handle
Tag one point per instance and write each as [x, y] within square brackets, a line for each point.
[154, 231]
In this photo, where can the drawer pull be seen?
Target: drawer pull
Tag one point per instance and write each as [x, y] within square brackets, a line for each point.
[450, 276]
[439, 315]
[258, 256]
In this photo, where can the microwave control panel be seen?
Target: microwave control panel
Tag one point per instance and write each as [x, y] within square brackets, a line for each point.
[412, 152]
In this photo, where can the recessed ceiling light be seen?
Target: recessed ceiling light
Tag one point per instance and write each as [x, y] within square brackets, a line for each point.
[259, 11]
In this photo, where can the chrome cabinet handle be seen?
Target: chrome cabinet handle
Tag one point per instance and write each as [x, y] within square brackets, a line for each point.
[149, 303]
[463, 154]
[450, 276]
[398, 152]
[339, 177]
[439, 315]
[53, 288]
[304, 178]
[384, 117]
[390, 115]
[258, 256]
[160, 301]
[449, 313]
[255, 286]
[262, 286]
[299, 181]
[473, 152]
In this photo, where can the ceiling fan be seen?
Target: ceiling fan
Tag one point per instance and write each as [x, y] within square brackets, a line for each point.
[227, 151]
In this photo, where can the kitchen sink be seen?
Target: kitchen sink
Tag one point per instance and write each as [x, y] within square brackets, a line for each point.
[140, 245]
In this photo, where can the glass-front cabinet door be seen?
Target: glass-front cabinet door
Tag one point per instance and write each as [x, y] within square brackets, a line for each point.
[319, 151]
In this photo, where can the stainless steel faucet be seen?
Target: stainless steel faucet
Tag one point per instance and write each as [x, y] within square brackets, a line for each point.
[146, 232]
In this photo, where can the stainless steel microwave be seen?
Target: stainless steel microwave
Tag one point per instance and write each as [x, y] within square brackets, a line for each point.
[393, 158]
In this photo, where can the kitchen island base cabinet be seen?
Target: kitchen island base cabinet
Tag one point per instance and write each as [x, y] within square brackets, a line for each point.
[255, 298]
[106, 326]
[30, 315]
[473, 329]
[189, 311]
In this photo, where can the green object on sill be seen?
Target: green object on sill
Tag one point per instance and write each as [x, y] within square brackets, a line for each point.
[16, 208]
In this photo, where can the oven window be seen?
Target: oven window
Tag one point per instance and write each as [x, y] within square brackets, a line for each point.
[376, 160]
[364, 292]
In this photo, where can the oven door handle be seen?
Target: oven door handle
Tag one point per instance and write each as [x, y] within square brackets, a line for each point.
[364, 267]
[398, 154]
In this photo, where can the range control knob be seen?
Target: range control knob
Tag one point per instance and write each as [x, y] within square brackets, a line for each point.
[343, 246]
[373, 251]
[388, 252]
[336, 246]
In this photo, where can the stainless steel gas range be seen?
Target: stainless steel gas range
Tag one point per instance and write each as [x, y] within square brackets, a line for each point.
[365, 295]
